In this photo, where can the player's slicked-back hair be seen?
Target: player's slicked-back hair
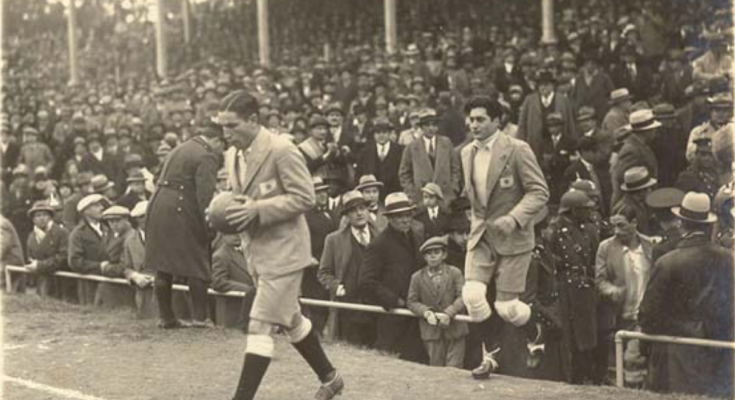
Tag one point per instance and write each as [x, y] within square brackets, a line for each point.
[493, 108]
[241, 103]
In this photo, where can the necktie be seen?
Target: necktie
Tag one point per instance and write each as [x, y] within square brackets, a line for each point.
[381, 152]
[363, 237]
[431, 148]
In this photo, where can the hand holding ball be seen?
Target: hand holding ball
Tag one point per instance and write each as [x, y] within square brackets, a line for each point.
[217, 212]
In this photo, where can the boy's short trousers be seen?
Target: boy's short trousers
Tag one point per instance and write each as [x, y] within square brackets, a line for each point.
[277, 299]
[483, 264]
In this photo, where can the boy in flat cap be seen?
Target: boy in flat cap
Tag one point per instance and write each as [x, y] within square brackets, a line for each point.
[435, 294]
[434, 217]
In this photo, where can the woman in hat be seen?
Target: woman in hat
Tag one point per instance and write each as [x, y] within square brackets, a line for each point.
[47, 251]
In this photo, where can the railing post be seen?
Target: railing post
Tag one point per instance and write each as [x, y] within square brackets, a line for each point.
[619, 370]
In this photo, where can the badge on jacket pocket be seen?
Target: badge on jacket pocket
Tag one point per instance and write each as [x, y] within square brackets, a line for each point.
[506, 182]
[267, 187]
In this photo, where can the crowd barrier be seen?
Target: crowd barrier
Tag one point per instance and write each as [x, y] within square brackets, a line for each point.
[222, 297]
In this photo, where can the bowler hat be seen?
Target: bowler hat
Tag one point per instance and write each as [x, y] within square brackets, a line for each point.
[41, 205]
[637, 178]
[368, 181]
[665, 198]
[140, 209]
[397, 202]
[352, 199]
[695, 207]
[436, 242]
[434, 189]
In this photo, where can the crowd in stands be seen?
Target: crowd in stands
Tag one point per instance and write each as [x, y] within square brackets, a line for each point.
[629, 115]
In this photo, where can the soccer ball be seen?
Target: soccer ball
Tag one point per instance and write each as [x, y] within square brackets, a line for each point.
[217, 213]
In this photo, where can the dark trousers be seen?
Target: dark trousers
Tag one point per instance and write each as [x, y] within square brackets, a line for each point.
[358, 331]
[197, 291]
[311, 288]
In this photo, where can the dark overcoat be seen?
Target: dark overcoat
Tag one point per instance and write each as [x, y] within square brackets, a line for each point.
[177, 236]
[50, 253]
[390, 261]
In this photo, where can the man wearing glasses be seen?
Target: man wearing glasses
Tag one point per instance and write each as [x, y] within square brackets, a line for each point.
[273, 189]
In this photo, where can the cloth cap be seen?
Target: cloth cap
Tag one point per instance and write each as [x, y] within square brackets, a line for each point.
[116, 212]
[89, 200]
[436, 242]
[427, 115]
[585, 113]
[433, 188]
[318, 120]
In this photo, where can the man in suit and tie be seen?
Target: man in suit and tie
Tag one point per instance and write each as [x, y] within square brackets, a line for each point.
[269, 176]
[381, 158]
[370, 188]
[506, 189]
[339, 270]
[430, 159]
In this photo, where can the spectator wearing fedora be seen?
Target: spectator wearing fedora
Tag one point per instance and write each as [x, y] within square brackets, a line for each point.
[555, 157]
[701, 174]
[619, 112]
[371, 190]
[636, 150]
[660, 202]
[588, 126]
[136, 191]
[47, 251]
[720, 113]
[435, 297]
[381, 158]
[430, 159]
[537, 106]
[390, 260]
[340, 268]
[83, 188]
[134, 269]
[592, 86]
[591, 165]
[637, 184]
[690, 295]
[321, 222]
[433, 216]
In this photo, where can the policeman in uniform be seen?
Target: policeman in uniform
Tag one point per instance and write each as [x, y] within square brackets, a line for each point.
[573, 243]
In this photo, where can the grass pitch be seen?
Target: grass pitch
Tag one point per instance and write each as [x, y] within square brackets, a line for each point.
[112, 356]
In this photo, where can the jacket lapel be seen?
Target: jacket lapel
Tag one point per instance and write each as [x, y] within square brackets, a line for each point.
[259, 150]
[441, 158]
[500, 157]
[467, 167]
[423, 157]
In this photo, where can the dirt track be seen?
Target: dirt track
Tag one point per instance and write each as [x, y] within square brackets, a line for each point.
[112, 356]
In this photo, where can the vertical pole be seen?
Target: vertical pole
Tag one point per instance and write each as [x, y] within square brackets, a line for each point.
[185, 15]
[160, 39]
[619, 377]
[547, 22]
[391, 37]
[72, 34]
[263, 38]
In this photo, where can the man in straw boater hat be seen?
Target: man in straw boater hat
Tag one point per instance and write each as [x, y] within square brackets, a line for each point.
[340, 267]
[273, 189]
[636, 150]
[620, 105]
[690, 294]
[389, 262]
[506, 189]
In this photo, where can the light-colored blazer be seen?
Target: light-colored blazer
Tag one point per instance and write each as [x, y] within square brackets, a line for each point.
[516, 187]
[416, 170]
[279, 183]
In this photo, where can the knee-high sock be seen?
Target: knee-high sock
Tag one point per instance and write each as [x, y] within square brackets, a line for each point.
[258, 354]
[162, 288]
[199, 299]
[311, 349]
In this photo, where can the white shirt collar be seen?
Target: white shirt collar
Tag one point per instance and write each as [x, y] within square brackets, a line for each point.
[98, 154]
[433, 211]
[547, 99]
[356, 233]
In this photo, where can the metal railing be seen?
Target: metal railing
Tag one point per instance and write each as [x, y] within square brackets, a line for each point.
[620, 337]
[306, 301]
